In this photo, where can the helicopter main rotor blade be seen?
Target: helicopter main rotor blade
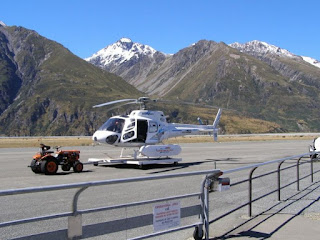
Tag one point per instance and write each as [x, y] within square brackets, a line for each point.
[113, 102]
[121, 105]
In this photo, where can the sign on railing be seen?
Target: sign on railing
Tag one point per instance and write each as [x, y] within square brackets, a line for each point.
[166, 215]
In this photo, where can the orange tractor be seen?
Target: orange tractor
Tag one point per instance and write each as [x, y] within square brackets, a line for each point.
[47, 163]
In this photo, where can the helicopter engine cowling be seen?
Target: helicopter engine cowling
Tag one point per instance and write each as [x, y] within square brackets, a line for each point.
[155, 151]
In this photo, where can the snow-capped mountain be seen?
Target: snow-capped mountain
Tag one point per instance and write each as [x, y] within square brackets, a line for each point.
[132, 61]
[120, 52]
[259, 48]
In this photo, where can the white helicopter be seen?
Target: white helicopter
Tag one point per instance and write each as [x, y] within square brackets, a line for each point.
[145, 129]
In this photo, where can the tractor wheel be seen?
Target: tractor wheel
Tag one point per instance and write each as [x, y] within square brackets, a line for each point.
[49, 167]
[34, 167]
[77, 167]
[66, 167]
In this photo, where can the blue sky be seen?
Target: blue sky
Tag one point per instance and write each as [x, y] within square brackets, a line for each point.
[85, 27]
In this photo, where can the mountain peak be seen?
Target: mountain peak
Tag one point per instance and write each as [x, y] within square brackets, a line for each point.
[125, 40]
[262, 48]
[121, 51]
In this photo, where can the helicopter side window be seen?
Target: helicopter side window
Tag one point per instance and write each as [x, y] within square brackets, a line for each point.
[128, 135]
[113, 125]
[153, 127]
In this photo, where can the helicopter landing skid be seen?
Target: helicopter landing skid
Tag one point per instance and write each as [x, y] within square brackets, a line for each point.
[141, 161]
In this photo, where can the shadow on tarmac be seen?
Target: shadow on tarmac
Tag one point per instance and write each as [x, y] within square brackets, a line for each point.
[265, 216]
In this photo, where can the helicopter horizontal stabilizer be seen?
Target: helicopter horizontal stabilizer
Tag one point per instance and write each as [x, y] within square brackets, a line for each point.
[200, 121]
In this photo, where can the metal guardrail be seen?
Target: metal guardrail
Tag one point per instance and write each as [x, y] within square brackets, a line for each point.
[295, 161]
[201, 226]
[74, 230]
[278, 171]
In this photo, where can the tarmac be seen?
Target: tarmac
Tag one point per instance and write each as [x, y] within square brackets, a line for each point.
[278, 226]
[297, 216]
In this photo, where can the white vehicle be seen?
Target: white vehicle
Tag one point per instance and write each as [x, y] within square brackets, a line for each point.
[315, 147]
[145, 129]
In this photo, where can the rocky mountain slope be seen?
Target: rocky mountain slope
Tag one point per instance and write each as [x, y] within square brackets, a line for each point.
[47, 90]
[260, 80]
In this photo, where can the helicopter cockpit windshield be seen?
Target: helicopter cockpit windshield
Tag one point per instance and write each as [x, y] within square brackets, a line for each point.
[113, 125]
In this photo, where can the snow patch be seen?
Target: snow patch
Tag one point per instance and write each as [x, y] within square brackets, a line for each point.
[312, 61]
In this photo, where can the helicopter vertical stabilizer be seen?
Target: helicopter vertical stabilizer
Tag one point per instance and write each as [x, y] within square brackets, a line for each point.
[217, 119]
[215, 125]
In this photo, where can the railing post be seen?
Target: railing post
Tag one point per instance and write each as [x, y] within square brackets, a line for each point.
[206, 186]
[298, 174]
[198, 232]
[75, 221]
[206, 207]
[311, 165]
[250, 191]
[279, 181]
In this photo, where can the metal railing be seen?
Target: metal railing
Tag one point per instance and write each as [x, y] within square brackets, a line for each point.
[201, 226]
[252, 168]
[74, 217]
[296, 163]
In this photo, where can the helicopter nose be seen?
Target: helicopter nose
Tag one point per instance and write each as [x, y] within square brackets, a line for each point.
[105, 137]
[99, 136]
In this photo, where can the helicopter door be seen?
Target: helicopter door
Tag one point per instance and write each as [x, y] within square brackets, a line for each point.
[142, 130]
[130, 132]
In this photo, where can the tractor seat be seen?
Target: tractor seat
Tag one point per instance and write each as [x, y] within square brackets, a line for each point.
[48, 151]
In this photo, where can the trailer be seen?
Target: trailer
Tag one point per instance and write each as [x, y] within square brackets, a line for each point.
[145, 155]
[140, 161]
